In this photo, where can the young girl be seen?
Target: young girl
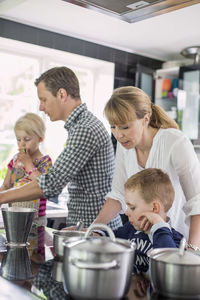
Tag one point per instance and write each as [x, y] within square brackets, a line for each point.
[29, 162]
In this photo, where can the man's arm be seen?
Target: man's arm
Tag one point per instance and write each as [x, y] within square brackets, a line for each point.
[29, 191]
[110, 209]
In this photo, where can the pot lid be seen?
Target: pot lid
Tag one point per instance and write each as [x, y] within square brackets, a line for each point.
[189, 258]
[101, 244]
[175, 255]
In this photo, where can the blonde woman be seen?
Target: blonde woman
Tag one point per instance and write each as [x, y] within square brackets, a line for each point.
[148, 138]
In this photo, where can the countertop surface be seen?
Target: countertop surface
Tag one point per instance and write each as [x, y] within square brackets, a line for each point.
[39, 270]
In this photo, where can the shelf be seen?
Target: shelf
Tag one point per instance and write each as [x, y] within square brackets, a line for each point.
[166, 103]
[168, 71]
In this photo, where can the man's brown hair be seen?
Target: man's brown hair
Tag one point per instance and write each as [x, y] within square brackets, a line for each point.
[153, 184]
[60, 77]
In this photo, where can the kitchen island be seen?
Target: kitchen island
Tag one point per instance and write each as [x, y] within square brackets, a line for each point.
[40, 281]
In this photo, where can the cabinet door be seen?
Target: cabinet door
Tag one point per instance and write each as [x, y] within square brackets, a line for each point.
[145, 80]
[188, 100]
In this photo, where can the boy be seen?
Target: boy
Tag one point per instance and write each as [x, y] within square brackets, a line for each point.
[149, 195]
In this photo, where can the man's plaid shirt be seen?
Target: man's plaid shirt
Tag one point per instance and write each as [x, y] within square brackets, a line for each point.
[86, 165]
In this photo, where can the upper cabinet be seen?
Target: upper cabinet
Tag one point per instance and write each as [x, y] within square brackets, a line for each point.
[166, 89]
[188, 101]
[177, 91]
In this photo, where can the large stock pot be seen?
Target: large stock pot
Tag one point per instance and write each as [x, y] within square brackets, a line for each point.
[98, 267]
[175, 272]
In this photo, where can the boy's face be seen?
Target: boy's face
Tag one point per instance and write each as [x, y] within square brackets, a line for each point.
[136, 206]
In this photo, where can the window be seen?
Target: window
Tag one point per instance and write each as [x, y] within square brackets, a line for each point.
[20, 64]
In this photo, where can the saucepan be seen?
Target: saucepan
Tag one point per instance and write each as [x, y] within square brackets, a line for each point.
[61, 235]
[175, 272]
[98, 267]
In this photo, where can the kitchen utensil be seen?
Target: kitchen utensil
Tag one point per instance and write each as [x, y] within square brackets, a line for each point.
[60, 235]
[98, 267]
[16, 264]
[17, 223]
[175, 272]
[79, 225]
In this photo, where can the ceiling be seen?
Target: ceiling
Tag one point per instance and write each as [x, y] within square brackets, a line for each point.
[161, 36]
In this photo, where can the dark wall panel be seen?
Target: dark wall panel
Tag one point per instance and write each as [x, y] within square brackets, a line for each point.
[124, 61]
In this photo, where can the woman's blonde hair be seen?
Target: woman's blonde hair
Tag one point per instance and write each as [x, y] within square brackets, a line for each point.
[152, 183]
[130, 103]
[32, 124]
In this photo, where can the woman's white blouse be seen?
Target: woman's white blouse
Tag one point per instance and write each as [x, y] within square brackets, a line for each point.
[172, 152]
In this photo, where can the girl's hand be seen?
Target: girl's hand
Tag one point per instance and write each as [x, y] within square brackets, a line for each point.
[148, 219]
[24, 157]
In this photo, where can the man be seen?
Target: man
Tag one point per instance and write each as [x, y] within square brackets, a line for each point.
[87, 162]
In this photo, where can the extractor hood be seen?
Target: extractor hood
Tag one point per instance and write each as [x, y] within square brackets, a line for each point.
[133, 11]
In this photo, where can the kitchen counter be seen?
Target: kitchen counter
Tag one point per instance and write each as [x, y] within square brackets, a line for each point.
[40, 281]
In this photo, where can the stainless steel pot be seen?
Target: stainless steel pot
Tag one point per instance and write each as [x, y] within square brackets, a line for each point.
[175, 272]
[98, 267]
[60, 236]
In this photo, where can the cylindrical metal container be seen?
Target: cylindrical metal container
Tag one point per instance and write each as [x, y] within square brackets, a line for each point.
[60, 236]
[17, 223]
[16, 264]
[174, 275]
[98, 267]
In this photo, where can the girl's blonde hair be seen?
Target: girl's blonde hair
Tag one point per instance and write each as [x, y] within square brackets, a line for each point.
[32, 124]
[130, 103]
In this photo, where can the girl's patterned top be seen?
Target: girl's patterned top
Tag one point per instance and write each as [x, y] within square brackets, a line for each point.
[19, 176]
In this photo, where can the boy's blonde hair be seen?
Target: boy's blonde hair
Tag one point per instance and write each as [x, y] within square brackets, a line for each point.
[130, 103]
[152, 184]
[32, 124]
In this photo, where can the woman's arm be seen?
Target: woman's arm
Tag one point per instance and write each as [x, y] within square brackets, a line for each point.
[187, 167]
[7, 181]
[110, 209]
[194, 233]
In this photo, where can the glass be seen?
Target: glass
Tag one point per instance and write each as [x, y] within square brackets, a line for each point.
[190, 118]
[17, 96]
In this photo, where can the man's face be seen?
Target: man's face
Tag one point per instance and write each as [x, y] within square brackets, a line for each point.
[136, 206]
[49, 104]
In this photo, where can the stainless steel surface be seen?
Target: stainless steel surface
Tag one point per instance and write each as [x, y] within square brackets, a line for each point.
[10, 291]
[17, 223]
[97, 267]
[79, 225]
[182, 247]
[192, 52]
[133, 10]
[60, 236]
[175, 275]
[57, 273]
[102, 227]
[16, 264]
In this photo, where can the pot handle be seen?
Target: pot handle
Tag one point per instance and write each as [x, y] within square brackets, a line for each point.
[94, 266]
[182, 247]
[102, 227]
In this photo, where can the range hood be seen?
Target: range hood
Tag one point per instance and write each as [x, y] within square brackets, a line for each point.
[133, 11]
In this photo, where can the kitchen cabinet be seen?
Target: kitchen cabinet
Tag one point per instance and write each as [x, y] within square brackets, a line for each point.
[184, 107]
[144, 79]
[189, 85]
[137, 75]
[167, 99]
